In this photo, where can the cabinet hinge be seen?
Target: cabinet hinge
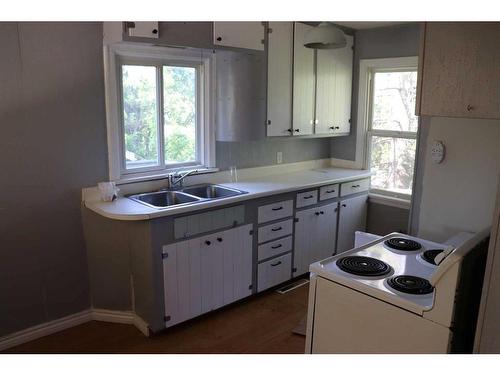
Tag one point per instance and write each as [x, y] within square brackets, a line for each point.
[269, 30]
[294, 269]
[164, 256]
[166, 318]
[262, 41]
[250, 286]
[296, 220]
[250, 232]
[349, 121]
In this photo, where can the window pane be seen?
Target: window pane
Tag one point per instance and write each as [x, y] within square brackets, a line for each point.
[392, 162]
[140, 116]
[394, 96]
[179, 96]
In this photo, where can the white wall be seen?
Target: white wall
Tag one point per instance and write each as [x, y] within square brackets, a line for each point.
[459, 194]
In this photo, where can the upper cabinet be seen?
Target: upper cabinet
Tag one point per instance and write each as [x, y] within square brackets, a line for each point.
[248, 35]
[303, 82]
[459, 70]
[279, 78]
[333, 90]
[320, 81]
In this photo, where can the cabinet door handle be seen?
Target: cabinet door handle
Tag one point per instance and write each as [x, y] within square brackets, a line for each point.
[277, 208]
[332, 127]
[208, 243]
[155, 31]
[219, 239]
[276, 229]
[330, 191]
[322, 212]
[297, 130]
[308, 197]
[289, 130]
[276, 246]
[219, 38]
[337, 127]
[344, 205]
[469, 108]
[276, 264]
[316, 213]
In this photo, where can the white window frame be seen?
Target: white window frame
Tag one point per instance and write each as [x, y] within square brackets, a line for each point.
[367, 68]
[118, 54]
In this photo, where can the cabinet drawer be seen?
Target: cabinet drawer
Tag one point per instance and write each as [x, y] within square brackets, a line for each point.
[328, 192]
[307, 198]
[274, 272]
[354, 187]
[274, 248]
[275, 211]
[276, 230]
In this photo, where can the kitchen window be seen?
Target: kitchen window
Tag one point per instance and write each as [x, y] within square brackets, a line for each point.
[159, 111]
[391, 128]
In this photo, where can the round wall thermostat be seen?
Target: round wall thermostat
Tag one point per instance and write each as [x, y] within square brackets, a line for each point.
[437, 152]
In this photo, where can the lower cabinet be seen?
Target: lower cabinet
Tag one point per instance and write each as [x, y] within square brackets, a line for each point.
[205, 273]
[352, 217]
[315, 234]
[274, 271]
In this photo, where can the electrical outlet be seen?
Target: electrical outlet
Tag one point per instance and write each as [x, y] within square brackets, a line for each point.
[279, 157]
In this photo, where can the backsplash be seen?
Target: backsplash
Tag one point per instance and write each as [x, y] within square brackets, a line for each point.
[263, 152]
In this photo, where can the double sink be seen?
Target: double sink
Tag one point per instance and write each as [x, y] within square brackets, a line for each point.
[188, 195]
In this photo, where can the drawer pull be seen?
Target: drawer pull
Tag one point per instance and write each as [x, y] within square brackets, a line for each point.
[277, 208]
[330, 191]
[219, 239]
[276, 264]
[276, 229]
[309, 197]
[208, 243]
[276, 246]
[355, 186]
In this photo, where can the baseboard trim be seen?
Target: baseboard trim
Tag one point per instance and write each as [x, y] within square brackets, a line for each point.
[123, 317]
[45, 329]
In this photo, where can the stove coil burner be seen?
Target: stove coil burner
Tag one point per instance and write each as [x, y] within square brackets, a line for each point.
[430, 255]
[403, 244]
[410, 284]
[363, 266]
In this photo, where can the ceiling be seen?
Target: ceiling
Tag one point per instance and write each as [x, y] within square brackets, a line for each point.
[358, 25]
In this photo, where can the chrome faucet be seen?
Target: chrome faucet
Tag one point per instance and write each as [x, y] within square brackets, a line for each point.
[177, 178]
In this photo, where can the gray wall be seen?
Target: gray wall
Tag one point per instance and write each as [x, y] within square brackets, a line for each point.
[383, 219]
[53, 142]
[458, 194]
[259, 153]
[394, 41]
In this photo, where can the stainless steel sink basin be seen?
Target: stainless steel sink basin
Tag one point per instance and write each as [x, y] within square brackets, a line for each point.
[209, 191]
[162, 199]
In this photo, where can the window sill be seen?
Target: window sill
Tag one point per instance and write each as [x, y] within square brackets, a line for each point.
[389, 201]
[162, 175]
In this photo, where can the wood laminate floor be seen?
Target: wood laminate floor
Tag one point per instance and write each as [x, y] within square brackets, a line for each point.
[261, 324]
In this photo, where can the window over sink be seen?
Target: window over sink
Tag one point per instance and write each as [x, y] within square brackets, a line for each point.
[159, 110]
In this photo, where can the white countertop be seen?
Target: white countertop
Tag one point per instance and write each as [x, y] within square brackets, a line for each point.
[127, 209]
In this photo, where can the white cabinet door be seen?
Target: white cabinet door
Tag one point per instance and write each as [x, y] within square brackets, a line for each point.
[206, 273]
[249, 35]
[315, 234]
[343, 88]
[352, 217]
[279, 78]
[303, 83]
[325, 91]
[334, 89]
